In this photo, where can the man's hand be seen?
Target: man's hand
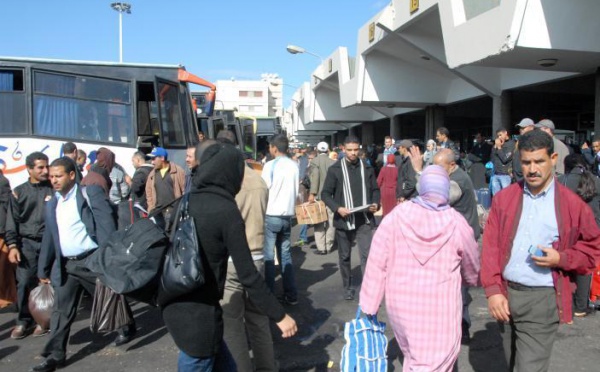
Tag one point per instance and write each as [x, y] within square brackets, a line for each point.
[551, 259]
[311, 198]
[44, 281]
[14, 256]
[287, 326]
[498, 143]
[585, 146]
[373, 208]
[498, 307]
[416, 159]
[344, 212]
[400, 200]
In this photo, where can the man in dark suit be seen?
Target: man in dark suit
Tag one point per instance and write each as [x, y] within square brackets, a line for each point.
[85, 224]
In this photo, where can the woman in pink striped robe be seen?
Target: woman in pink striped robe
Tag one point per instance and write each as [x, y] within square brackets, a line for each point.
[419, 256]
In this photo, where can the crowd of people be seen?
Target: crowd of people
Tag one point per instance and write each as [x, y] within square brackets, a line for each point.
[541, 240]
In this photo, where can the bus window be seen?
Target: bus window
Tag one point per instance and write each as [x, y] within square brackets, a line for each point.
[171, 121]
[78, 107]
[12, 103]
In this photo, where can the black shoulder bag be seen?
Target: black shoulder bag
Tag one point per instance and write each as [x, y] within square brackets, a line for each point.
[182, 270]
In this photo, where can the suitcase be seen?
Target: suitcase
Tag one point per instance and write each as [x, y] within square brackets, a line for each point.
[484, 197]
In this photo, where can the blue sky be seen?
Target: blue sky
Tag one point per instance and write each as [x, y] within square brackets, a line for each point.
[213, 39]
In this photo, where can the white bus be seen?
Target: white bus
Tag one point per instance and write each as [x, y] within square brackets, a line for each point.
[124, 107]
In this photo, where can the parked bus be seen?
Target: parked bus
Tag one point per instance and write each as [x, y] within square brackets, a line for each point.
[125, 107]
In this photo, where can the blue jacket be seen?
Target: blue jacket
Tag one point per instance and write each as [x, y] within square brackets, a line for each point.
[99, 222]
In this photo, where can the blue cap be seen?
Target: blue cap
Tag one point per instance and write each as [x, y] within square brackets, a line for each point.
[158, 151]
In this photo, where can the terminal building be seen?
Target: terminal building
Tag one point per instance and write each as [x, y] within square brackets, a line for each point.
[468, 65]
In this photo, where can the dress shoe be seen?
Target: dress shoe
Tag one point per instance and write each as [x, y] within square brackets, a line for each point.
[323, 253]
[125, 338]
[19, 332]
[39, 331]
[49, 365]
[349, 296]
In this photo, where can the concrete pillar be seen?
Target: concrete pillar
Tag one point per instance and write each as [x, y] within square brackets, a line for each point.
[501, 112]
[434, 119]
[368, 133]
[597, 105]
[333, 140]
[395, 127]
[351, 131]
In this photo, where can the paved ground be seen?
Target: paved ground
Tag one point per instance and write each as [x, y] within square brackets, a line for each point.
[320, 314]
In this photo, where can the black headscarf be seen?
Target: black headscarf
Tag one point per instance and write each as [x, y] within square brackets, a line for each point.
[221, 171]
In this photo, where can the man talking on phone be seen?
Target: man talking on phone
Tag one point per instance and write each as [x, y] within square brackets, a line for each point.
[538, 233]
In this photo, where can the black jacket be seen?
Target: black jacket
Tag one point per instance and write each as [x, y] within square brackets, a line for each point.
[406, 187]
[99, 224]
[25, 215]
[333, 192]
[502, 158]
[138, 185]
[195, 320]
[4, 201]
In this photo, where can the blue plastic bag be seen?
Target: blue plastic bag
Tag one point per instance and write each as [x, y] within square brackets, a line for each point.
[366, 345]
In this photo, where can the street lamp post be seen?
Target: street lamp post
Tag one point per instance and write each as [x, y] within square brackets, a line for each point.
[121, 8]
[294, 49]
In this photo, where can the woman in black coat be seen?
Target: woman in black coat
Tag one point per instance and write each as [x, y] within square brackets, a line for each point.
[195, 320]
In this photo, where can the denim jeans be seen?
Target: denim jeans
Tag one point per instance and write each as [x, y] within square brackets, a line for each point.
[499, 182]
[304, 233]
[277, 237]
[221, 362]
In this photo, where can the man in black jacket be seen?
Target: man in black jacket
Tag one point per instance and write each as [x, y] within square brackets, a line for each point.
[350, 184]
[406, 187]
[502, 155]
[140, 176]
[85, 224]
[24, 230]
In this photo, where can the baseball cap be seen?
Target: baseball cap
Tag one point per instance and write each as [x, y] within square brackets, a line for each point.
[322, 147]
[158, 151]
[407, 144]
[525, 123]
[545, 123]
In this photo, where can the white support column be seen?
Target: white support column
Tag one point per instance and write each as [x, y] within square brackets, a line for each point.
[395, 127]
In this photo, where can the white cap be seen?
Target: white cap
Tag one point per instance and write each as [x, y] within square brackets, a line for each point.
[322, 147]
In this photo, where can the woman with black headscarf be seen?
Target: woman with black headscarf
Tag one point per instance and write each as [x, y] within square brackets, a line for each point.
[195, 320]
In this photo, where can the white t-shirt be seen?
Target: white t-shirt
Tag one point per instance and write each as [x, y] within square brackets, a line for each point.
[282, 177]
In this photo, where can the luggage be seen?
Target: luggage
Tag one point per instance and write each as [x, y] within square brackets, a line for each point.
[484, 197]
[109, 310]
[366, 345]
[131, 261]
[41, 301]
[182, 270]
[595, 288]
[311, 213]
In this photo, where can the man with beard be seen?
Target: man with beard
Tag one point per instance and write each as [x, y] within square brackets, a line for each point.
[350, 184]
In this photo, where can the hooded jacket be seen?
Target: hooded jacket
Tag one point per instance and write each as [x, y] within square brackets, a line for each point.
[195, 320]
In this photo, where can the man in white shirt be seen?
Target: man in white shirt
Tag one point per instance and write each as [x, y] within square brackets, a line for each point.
[282, 178]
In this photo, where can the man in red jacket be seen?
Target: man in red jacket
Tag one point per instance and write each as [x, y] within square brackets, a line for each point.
[537, 235]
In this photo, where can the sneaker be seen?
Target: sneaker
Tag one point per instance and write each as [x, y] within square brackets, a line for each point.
[39, 331]
[19, 332]
[289, 300]
[349, 296]
[582, 314]
[299, 243]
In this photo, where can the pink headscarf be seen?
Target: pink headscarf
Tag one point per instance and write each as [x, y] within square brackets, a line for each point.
[434, 188]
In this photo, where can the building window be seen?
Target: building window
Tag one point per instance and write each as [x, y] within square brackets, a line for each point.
[12, 102]
[243, 93]
[258, 93]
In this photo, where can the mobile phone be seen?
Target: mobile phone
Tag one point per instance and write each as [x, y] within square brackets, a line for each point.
[535, 251]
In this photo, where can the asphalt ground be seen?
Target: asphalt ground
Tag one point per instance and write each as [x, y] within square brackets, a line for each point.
[320, 314]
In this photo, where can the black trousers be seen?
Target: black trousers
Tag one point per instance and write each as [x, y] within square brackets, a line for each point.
[26, 279]
[581, 296]
[66, 302]
[362, 235]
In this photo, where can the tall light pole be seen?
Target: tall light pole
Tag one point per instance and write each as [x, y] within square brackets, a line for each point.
[294, 49]
[121, 8]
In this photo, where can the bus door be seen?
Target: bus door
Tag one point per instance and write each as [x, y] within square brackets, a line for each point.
[170, 114]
